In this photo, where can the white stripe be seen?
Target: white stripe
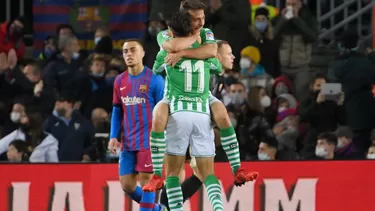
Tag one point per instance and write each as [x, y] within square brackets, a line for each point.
[173, 189]
[228, 137]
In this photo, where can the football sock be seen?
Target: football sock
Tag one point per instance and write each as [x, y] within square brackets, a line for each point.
[214, 193]
[147, 201]
[157, 145]
[136, 195]
[174, 193]
[230, 146]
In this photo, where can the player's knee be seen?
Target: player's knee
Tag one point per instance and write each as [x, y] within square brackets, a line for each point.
[128, 185]
[144, 179]
[160, 117]
[220, 115]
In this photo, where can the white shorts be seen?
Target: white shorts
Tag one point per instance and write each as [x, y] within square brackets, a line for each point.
[186, 128]
[193, 161]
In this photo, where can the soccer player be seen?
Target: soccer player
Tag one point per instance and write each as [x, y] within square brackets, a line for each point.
[220, 115]
[187, 90]
[135, 94]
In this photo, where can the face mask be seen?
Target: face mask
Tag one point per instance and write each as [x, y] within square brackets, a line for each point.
[97, 39]
[321, 152]
[110, 81]
[263, 156]
[75, 55]
[24, 128]
[281, 109]
[16, 31]
[237, 99]
[245, 63]
[265, 101]
[97, 75]
[15, 117]
[261, 26]
[371, 156]
[340, 144]
[61, 112]
[153, 31]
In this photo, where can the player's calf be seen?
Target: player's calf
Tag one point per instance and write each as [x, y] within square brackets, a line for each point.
[129, 186]
[174, 191]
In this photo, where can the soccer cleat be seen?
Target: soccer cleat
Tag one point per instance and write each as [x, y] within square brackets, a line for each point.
[243, 175]
[156, 183]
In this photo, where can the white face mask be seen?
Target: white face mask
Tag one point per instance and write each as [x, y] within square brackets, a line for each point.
[281, 109]
[245, 63]
[97, 39]
[371, 156]
[15, 116]
[75, 55]
[263, 156]
[265, 101]
[321, 152]
[340, 144]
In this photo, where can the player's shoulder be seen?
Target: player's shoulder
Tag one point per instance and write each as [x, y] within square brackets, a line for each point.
[164, 33]
[206, 30]
[120, 77]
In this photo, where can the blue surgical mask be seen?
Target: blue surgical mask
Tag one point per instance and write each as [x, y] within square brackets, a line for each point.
[75, 55]
[97, 39]
[110, 81]
[261, 26]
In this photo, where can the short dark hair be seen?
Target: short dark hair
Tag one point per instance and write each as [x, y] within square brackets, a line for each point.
[135, 40]
[64, 26]
[221, 43]
[19, 145]
[187, 5]
[180, 24]
[317, 76]
[329, 137]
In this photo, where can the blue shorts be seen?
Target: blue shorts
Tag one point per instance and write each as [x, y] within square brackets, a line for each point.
[133, 162]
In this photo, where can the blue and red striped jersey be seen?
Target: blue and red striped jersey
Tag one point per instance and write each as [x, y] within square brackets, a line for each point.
[138, 96]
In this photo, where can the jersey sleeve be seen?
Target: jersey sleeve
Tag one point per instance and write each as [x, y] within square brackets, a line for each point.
[159, 66]
[157, 83]
[162, 37]
[116, 100]
[207, 36]
[215, 66]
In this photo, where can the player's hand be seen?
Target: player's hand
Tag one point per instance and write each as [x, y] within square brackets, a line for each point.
[321, 98]
[172, 59]
[113, 144]
[38, 88]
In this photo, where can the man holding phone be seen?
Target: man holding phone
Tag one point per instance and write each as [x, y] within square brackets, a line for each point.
[297, 29]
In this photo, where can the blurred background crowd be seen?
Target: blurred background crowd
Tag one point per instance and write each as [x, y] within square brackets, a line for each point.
[56, 107]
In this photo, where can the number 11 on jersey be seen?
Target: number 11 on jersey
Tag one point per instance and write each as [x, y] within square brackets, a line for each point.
[190, 69]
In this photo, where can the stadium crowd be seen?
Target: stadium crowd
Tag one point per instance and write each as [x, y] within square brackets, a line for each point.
[56, 108]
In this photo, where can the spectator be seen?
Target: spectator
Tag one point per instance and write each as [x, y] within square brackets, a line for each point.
[325, 146]
[286, 129]
[49, 50]
[262, 37]
[281, 85]
[17, 151]
[371, 153]
[101, 92]
[64, 30]
[14, 121]
[11, 36]
[100, 121]
[64, 73]
[100, 32]
[251, 71]
[252, 125]
[355, 71]
[268, 151]
[230, 21]
[238, 102]
[42, 147]
[321, 115]
[74, 132]
[155, 25]
[345, 149]
[296, 28]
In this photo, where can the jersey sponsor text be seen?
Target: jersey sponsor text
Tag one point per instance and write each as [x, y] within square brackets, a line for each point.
[133, 100]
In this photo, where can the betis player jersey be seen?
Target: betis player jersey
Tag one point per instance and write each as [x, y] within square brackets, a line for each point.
[187, 84]
[206, 35]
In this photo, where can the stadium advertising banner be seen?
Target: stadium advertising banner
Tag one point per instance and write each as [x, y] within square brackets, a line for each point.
[124, 18]
[287, 186]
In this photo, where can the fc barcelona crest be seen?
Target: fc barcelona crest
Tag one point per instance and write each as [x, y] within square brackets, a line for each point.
[143, 88]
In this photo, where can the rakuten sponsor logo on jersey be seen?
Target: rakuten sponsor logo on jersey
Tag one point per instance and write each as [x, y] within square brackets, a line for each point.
[190, 99]
[133, 100]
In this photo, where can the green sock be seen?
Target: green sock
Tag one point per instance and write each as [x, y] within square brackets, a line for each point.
[230, 146]
[157, 145]
[214, 193]
[174, 194]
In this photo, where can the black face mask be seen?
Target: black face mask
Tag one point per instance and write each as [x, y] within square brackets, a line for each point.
[61, 112]
[24, 128]
[16, 31]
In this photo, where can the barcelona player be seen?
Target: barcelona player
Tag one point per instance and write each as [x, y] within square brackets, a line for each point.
[136, 92]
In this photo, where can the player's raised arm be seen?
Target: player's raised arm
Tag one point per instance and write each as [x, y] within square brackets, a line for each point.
[117, 110]
[173, 45]
[159, 66]
[207, 50]
[216, 67]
